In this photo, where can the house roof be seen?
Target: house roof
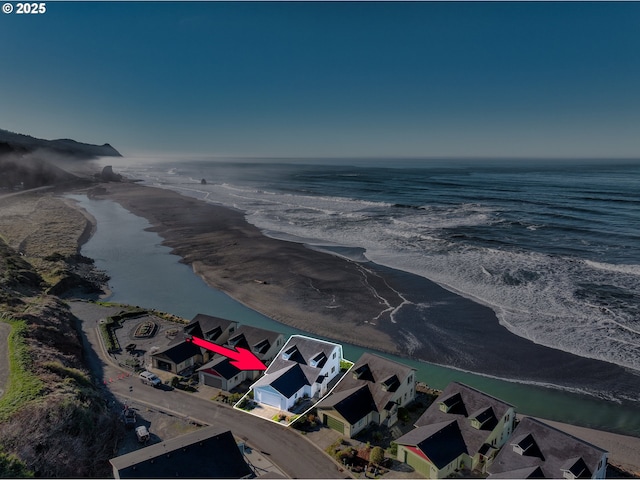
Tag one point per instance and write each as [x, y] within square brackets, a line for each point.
[287, 380]
[178, 352]
[547, 448]
[466, 403]
[441, 442]
[205, 453]
[258, 340]
[222, 366]
[208, 327]
[291, 369]
[381, 376]
[353, 404]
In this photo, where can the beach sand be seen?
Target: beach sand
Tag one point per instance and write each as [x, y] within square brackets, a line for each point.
[223, 249]
[352, 302]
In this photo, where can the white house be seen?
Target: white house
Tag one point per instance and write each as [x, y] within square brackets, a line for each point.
[302, 369]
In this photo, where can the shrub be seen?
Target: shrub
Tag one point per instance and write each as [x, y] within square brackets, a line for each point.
[393, 449]
[377, 455]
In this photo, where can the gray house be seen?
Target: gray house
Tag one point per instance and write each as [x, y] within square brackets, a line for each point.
[462, 428]
[371, 392]
[220, 373]
[537, 450]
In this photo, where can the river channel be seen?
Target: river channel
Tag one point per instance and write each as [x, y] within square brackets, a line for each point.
[144, 272]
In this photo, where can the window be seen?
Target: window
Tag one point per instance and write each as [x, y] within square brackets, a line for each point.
[409, 380]
[334, 355]
[333, 369]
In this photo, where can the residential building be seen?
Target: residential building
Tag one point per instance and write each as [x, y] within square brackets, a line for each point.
[371, 392]
[537, 450]
[302, 369]
[219, 372]
[213, 329]
[177, 356]
[462, 428]
[205, 453]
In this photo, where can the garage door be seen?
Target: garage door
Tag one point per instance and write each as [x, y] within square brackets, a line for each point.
[212, 381]
[269, 399]
[334, 424]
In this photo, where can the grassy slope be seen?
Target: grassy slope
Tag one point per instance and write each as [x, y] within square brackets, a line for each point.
[51, 411]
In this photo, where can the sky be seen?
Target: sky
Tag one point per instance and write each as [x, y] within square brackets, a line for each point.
[328, 79]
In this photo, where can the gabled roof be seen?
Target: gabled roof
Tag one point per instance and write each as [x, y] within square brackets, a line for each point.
[301, 350]
[465, 403]
[291, 369]
[206, 326]
[258, 340]
[441, 442]
[205, 453]
[178, 352]
[353, 404]
[222, 366]
[286, 381]
[538, 445]
[528, 472]
[374, 372]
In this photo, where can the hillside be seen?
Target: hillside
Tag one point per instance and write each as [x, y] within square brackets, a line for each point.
[51, 408]
[28, 162]
[19, 143]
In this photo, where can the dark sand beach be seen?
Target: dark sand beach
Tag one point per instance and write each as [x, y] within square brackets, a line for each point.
[352, 302]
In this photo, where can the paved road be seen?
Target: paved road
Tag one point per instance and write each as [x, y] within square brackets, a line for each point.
[290, 451]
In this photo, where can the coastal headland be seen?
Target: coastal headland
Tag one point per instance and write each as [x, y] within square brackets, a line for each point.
[354, 302]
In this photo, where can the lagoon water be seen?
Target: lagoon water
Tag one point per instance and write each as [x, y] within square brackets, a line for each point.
[145, 273]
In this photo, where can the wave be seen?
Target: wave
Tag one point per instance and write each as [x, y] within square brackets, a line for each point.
[558, 301]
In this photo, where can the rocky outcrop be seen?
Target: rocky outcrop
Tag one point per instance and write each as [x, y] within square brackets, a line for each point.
[108, 175]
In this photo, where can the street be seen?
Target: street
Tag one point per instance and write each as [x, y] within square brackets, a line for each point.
[290, 451]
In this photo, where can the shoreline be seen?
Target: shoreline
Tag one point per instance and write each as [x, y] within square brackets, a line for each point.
[351, 302]
[624, 449]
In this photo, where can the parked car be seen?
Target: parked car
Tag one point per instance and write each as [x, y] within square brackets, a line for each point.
[142, 433]
[149, 378]
[129, 417]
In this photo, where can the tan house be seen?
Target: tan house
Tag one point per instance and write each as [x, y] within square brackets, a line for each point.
[371, 392]
[537, 450]
[178, 356]
[219, 372]
[462, 428]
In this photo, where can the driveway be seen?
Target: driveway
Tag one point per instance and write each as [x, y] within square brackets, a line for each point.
[296, 456]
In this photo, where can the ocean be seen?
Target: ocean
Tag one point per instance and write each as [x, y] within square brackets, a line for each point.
[553, 247]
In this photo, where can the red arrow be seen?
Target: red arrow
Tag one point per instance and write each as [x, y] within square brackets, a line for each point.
[241, 358]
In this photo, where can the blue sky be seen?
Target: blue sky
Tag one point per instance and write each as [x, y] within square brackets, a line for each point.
[384, 79]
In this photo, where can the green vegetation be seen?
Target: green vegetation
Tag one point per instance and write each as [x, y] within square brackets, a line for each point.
[393, 449]
[377, 455]
[345, 365]
[80, 377]
[12, 467]
[23, 385]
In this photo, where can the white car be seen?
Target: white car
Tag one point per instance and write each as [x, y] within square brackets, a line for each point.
[149, 378]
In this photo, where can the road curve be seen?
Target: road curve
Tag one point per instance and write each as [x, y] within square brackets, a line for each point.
[291, 452]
